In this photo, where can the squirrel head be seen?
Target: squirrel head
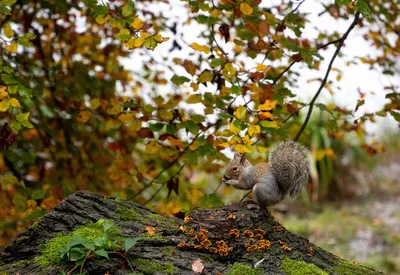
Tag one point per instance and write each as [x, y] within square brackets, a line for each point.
[235, 168]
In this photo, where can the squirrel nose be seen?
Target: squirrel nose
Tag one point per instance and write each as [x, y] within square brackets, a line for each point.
[225, 178]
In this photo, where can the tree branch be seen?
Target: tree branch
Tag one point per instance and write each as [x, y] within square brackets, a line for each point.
[338, 48]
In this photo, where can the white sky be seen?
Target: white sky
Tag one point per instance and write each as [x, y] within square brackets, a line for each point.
[354, 77]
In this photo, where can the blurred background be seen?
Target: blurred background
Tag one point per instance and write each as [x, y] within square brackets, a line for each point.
[148, 100]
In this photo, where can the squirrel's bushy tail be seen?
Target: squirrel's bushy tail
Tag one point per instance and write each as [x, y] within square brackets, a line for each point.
[289, 164]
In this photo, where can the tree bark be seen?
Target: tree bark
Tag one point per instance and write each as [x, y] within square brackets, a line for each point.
[227, 240]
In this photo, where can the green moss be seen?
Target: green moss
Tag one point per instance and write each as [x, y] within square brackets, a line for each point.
[129, 214]
[292, 267]
[239, 269]
[163, 221]
[50, 251]
[147, 236]
[347, 268]
[167, 251]
[151, 267]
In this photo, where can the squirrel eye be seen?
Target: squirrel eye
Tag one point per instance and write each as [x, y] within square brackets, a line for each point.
[234, 168]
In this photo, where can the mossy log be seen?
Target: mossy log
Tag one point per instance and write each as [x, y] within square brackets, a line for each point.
[235, 239]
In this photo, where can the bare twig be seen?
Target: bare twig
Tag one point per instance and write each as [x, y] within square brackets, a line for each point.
[338, 48]
[164, 183]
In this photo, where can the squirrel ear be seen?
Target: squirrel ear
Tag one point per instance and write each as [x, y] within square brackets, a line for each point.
[243, 159]
[237, 156]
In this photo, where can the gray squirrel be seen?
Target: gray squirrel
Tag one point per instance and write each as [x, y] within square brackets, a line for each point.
[286, 173]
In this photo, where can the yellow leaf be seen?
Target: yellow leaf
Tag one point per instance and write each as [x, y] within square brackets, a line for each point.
[136, 125]
[101, 19]
[137, 24]
[229, 70]
[268, 105]
[254, 130]
[194, 86]
[4, 105]
[3, 92]
[9, 33]
[240, 112]
[200, 48]
[94, 103]
[235, 130]
[152, 148]
[266, 115]
[114, 107]
[126, 117]
[165, 115]
[145, 34]
[242, 148]
[269, 124]
[246, 9]
[262, 149]
[13, 47]
[138, 42]
[14, 102]
[83, 116]
[261, 67]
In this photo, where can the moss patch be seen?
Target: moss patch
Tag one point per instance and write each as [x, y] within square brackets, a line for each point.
[152, 267]
[239, 269]
[292, 267]
[129, 214]
[50, 251]
[163, 221]
[347, 268]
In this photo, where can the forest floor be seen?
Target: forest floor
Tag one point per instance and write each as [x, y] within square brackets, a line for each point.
[365, 229]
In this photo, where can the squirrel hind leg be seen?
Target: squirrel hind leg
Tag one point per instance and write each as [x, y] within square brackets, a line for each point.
[267, 195]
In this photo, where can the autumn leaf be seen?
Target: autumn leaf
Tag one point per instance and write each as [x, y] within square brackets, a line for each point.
[14, 102]
[12, 47]
[137, 24]
[200, 48]
[198, 266]
[8, 32]
[246, 9]
[126, 117]
[234, 129]
[83, 116]
[240, 112]
[262, 67]
[254, 130]
[268, 105]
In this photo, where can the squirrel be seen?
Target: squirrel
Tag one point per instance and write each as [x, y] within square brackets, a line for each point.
[286, 173]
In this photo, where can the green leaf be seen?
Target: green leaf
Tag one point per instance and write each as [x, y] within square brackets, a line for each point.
[342, 2]
[130, 242]
[124, 34]
[179, 80]
[396, 115]
[191, 157]
[8, 79]
[5, 10]
[8, 180]
[128, 9]
[216, 62]
[192, 127]
[15, 126]
[35, 214]
[156, 127]
[38, 194]
[364, 8]
[19, 201]
[23, 41]
[150, 43]
[22, 117]
[235, 90]
[107, 224]
[102, 252]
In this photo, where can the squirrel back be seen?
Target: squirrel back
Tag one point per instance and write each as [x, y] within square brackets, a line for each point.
[289, 164]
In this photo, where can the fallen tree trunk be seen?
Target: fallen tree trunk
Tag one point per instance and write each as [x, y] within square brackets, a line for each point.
[93, 234]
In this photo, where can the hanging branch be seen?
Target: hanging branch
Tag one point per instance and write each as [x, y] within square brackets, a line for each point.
[338, 48]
